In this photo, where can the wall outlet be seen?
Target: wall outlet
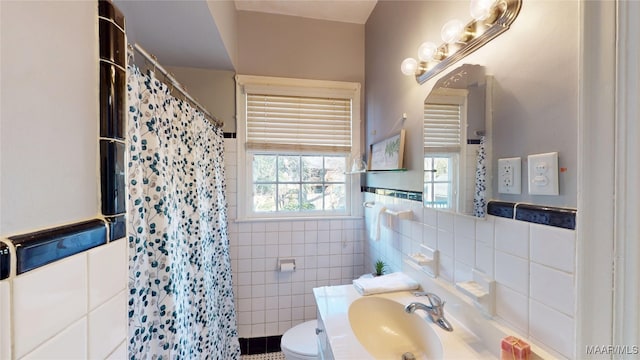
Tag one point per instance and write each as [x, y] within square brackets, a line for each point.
[509, 176]
[543, 174]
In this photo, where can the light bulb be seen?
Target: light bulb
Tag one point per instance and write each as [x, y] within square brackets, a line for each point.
[409, 66]
[480, 9]
[427, 51]
[451, 31]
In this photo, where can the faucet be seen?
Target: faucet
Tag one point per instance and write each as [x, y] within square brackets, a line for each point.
[435, 310]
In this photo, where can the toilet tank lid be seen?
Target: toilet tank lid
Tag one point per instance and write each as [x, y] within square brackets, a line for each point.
[301, 339]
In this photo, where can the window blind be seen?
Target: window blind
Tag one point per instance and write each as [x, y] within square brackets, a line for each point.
[442, 127]
[297, 123]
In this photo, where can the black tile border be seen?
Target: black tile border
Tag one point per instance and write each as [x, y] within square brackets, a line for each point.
[107, 10]
[40, 248]
[547, 215]
[117, 227]
[113, 98]
[112, 179]
[401, 194]
[538, 214]
[501, 208]
[112, 43]
[5, 261]
[260, 345]
[229, 135]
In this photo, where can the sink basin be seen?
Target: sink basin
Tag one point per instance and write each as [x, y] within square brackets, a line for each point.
[386, 331]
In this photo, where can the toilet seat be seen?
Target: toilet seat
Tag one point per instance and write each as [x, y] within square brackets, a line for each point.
[300, 342]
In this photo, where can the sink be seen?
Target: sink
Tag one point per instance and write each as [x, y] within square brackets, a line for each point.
[386, 331]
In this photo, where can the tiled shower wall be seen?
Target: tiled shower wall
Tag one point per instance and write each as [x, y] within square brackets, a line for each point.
[533, 265]
[327, 252]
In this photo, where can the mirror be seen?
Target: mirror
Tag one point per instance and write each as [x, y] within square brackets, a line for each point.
[457, 127]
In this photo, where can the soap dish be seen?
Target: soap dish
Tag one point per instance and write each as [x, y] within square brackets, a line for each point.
[426, 259]
[481, 290]
[420, 259]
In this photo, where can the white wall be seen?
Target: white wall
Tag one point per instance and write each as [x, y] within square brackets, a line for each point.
[49, 176]
[49, 129]
[289, 46]
[213, 89]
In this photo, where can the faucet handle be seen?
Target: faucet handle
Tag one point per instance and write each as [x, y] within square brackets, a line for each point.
[420, 293]
[435, 300]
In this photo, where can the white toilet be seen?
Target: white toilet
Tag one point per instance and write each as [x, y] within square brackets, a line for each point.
[299, 342]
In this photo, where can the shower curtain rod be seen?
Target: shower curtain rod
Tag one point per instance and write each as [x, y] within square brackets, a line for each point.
[176, 85]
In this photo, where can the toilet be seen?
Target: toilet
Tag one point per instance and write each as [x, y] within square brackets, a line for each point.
[299, 342]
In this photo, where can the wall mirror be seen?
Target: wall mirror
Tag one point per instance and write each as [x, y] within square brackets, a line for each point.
[457, 141]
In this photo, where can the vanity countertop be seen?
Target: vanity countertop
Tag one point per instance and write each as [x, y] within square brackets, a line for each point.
[333, 306]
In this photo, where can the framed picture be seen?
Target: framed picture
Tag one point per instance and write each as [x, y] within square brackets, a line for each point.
[387, 154]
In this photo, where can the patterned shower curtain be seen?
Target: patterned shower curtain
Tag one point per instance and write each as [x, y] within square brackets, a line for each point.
[181, 302]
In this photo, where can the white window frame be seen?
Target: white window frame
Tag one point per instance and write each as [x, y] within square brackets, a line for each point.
[453, 179]
[293, 87]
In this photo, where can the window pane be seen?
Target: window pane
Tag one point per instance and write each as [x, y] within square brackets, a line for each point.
[264, 168]
[428, 194]
[442, 195]
[288, 168]
[311, 168]
[335, 167]
[335, 197]
[313, 196]
[441, 166]
[264, 197]
[288, 197]
[428, 169]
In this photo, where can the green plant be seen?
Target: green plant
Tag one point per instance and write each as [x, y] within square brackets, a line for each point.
[379, 267]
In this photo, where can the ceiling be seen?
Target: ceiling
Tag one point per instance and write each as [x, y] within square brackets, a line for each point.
[184, 33]
[351, 11]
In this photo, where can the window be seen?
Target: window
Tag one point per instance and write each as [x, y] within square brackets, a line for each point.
[295, 138]
[440, 181]
[444, 139]
[298, 183]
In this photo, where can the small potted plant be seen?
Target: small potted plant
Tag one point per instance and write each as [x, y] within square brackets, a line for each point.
[379, 267]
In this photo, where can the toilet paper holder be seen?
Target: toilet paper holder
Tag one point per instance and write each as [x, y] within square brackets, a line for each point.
[286, 264]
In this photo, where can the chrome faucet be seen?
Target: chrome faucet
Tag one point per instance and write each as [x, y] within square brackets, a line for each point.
[435, 309]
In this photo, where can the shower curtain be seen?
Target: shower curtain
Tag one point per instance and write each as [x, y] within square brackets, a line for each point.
[181, 302]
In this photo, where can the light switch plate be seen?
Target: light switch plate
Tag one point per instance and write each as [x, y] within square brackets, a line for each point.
[509, 176]
[543, 174]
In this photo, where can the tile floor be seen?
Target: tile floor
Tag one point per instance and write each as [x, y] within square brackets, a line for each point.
[267, 356]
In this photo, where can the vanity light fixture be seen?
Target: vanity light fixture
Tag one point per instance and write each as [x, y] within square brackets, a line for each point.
[490, 19]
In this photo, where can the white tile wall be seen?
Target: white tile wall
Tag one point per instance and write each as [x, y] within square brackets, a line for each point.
[512, 237]
[74, 308]
[553, 247]
[327, 252]
[71, 343]
[553, 288]
[47, 300]
[512, 271]
[120, 353]
[533, 265]
[552, 328]
[107, 325]
[108, 270]
[513, 307]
